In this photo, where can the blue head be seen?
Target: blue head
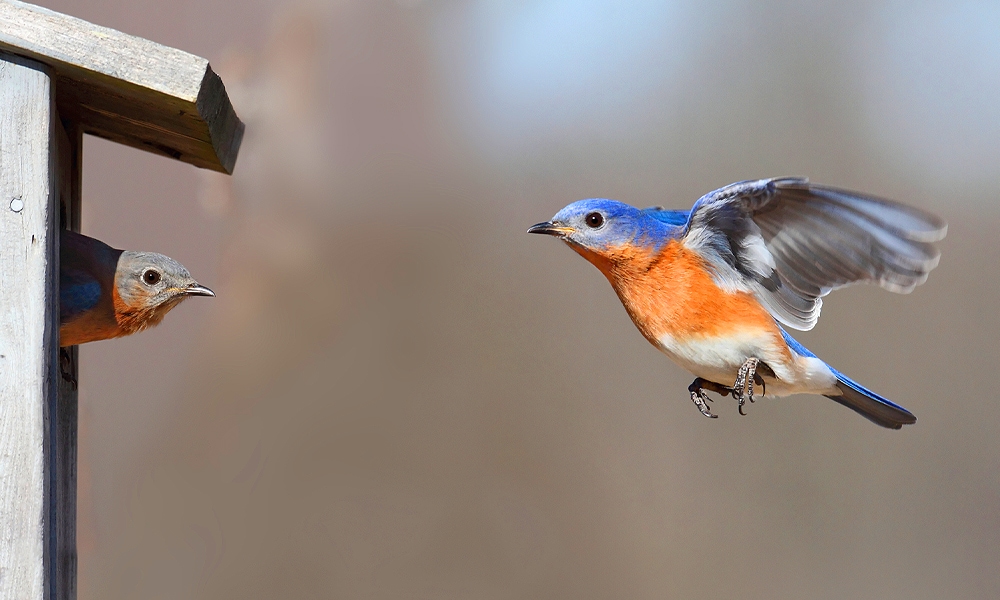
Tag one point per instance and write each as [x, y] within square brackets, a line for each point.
[604, 227]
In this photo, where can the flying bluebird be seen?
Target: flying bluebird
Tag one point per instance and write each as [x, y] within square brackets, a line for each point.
[712, 287]
[107, 293]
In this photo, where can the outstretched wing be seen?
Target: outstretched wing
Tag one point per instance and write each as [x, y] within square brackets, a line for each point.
[791, 243]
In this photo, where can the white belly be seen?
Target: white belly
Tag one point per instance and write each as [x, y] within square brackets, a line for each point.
[719, 360]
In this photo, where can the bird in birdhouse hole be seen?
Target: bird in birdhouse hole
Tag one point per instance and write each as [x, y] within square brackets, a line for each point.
[106, 293]
[711, 287]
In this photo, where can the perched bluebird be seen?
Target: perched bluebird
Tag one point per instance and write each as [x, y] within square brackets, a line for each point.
[712, 287]
[107, 293]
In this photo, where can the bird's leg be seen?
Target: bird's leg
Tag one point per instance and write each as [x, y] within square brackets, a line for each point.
[743, 388]
[701, 399]
[718, 388]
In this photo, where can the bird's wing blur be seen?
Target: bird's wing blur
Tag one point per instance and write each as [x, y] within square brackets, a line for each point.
[78, 293]
[791, 243]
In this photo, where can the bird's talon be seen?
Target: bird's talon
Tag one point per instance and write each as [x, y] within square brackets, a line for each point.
[760, 381]
[743, 387]
[700, 398]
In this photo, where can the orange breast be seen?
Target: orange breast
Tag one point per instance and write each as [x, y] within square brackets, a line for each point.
[671, 292]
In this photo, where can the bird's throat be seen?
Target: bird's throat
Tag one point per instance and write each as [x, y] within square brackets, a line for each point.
[134, 318]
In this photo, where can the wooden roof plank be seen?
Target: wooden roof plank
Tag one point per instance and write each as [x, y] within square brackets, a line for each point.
[128, 89]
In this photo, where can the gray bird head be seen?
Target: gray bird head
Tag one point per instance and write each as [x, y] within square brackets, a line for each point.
[147, 286]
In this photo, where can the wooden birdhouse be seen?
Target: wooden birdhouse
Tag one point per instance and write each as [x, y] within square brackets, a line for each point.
[61, 77]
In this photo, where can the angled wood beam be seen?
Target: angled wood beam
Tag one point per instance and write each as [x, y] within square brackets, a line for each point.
[128, 89]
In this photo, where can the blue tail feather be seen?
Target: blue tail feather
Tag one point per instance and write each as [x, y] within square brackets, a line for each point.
[861, 400]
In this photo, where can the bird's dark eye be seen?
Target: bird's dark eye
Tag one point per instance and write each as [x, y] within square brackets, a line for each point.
[594, 220]
[151, 276]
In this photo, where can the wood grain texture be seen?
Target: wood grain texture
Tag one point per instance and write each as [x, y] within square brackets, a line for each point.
[128, 89]
[28, 323]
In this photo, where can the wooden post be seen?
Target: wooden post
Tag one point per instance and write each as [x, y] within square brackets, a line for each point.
[61, 77]
[29, 324]
[62, 423]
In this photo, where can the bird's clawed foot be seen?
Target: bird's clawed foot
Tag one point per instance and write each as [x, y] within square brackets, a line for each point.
[742, 390]
[745, 378]
[701, 399]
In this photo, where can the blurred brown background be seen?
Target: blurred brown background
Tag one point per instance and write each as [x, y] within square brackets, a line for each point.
[400, 394]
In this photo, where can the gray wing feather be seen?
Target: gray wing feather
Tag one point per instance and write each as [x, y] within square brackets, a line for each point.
[819, 238]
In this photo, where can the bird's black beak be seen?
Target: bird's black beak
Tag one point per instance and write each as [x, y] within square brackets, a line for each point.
[198, 290]
[551, 228]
